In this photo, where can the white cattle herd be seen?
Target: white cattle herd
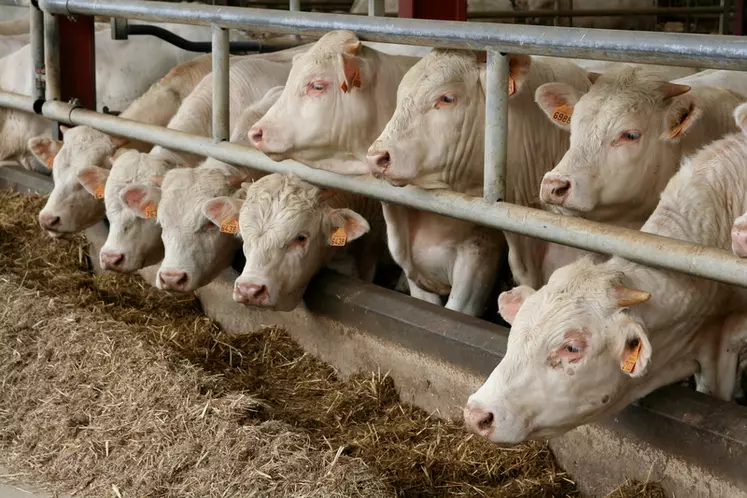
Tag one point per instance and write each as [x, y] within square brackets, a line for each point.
[658, 149]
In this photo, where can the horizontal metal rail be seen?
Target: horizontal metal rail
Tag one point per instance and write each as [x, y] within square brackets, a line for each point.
[192, 46]
[724, 52]
[664, 252]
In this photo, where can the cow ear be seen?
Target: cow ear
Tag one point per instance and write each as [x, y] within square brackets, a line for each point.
[634, 349]
[223, 212]
[682, 114]
[350, 72]
[557, 101]
[740, 116]
[518, 70]
[64, 129]
[347, 220]
[670, 90]
[142, 200]
[593, 77]
[44, 149]
[509, 302]
[93, 179]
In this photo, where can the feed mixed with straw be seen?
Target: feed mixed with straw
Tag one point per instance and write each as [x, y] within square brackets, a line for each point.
[110, 387]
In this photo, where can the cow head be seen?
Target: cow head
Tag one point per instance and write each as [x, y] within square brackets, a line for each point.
[573, 348]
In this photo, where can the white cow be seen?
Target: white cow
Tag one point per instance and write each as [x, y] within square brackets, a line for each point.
[81, 161]
[585, 346]
[667, 73]
[195, 249]
[645, 23]
[122, 75]
[337, 100]
[292, 229]
[628, 135]
[435, 140]
[10, 44]
[126, 249]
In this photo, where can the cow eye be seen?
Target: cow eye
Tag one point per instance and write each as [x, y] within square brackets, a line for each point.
[317, 86]
[572, 349]
[446, 99]
[630, 136]
[301, 239]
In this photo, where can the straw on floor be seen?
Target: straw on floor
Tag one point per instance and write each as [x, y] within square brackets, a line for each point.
[109, 387]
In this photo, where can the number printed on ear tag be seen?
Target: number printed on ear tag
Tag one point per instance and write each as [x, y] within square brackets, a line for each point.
[339, 238]
[632, 359]
[562, 114]
[230, 226]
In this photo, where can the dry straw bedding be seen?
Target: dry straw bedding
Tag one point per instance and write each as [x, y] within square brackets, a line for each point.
[109, 387]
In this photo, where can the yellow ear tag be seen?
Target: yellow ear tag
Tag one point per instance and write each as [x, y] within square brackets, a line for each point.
[50, 162]
[562, 114]
[632, 359]
[98, 192]
[678, 129]
[357, 79]
[230, 226]
[151, 210]
[511, 86]
[339, 238]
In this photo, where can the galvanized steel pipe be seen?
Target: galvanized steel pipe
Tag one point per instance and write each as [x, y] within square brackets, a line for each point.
[498, 85]
[36, 28]
[727, 52]
[221, 83]
[52, 56]
[294, 5]
[663, 252]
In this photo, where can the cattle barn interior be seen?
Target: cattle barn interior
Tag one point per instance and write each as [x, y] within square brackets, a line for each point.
[341, 248]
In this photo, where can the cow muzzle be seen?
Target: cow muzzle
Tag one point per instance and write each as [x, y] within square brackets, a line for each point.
[555, 189]
[252, 293]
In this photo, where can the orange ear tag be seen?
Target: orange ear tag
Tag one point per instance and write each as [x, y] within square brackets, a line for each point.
[678, 129]
[230, 226]
[632, 359]
[511, 86]
[98, 192]
[150, 211]
[50, 162]
[344, 86]
[562, 114]
[357, 79]
[339, 238]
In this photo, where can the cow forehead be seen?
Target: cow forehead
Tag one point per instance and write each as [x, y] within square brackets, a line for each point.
[437, 69]
[184, 191]
[83, 147]
[285, 203]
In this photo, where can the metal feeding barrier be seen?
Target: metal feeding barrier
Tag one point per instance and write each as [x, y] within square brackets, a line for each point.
[722, 52]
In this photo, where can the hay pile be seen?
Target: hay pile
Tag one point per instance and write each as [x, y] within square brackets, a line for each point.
[113, 388]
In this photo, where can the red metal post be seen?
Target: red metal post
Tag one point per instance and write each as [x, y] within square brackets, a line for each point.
[78, 60]
[740, 16]
[444, 10]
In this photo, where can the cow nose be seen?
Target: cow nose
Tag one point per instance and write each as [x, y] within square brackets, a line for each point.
[256, 135]
[251, 293]
[379, 161]
[49, 222]
[478, 419]
[175, 280]
[555, 190]
[112, 260]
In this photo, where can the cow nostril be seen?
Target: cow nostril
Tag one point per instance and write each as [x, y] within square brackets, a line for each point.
[383, 160]
[54, 221]
[260, 291]
[561, 190]
[486, 422]
[183, 280]
[256, 135]
[117, 260]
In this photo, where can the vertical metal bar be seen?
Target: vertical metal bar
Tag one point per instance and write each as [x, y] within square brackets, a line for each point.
[36, 23]
[52, 56]
[294, 5]
[723, 18]
[221, 125]
[556, 19]
[445, 10]
[570, 18]
[376, 8]
[496, 126]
